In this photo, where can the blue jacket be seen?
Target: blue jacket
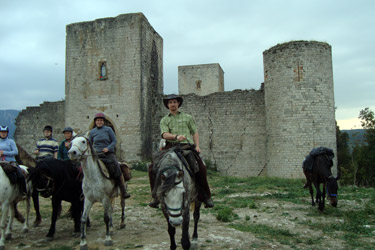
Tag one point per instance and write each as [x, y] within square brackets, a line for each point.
[103, 137]
[9, 148]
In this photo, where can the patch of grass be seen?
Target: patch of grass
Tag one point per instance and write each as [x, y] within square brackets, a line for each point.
[226, 214]
[141, 166]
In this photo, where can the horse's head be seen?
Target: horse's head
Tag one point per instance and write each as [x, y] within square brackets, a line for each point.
[332, 188]
[171, 193]
[79, 147]
[42, 180]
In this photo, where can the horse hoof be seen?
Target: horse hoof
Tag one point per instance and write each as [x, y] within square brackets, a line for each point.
[122, 226]
[76, 234]
[194, 245]
[25, 230]
[37, 223]
[49, 239]
[83, 247]
[108, 243]
[8, 236]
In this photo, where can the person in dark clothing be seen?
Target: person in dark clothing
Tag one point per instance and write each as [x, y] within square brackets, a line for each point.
[104, 141]
[65, 144]
[179, 128]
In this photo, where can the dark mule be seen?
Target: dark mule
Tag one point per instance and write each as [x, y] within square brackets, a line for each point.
[321, 161]
[176, 190]
[23, 158]
[59, 179]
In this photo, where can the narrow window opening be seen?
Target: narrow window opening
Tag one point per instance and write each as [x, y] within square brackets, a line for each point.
[103, 72]
[198, 84]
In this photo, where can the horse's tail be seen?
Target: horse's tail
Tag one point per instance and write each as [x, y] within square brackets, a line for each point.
[70, 212]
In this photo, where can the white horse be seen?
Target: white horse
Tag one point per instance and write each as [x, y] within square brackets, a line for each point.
[96, 188]
[9, 195]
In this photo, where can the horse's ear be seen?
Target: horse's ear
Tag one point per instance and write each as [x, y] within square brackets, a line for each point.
[87, 135]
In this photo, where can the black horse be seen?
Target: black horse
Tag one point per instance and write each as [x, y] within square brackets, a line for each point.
[59, 179]
[319, 172]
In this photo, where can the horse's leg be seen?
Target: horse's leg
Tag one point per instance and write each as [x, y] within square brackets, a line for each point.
[38, 219]
[318, 196]
[76, 213]
[185, 241]
[56, 204]
[107, 219]
[87, 206]
[8, 232]
[4, 217]
[25, 228]
[172, 232]
[312, 195]
[194, 242]
[122, 224]
[323, 195]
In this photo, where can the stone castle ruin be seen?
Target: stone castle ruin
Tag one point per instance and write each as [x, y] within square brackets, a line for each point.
[115, 66]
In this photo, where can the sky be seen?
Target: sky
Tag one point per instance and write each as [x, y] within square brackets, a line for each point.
[233, 33]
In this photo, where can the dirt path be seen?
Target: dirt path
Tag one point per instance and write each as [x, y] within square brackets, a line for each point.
[146, 227]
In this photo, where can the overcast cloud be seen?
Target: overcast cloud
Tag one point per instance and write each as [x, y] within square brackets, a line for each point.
[232, 33]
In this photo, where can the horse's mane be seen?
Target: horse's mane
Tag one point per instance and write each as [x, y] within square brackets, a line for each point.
[24, 158]
[166, 163]
[56, 169]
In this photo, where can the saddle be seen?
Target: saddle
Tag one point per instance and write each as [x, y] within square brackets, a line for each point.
[11, 171]
[309, 159]
[184, 153]
[125, 169]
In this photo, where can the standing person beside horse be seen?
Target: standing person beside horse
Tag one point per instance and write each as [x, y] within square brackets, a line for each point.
[65, 144]
[8, 151]
[46, 147]
[177, 128]
[104, 141]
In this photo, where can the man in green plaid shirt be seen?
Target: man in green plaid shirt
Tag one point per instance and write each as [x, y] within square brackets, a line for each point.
[179, 128]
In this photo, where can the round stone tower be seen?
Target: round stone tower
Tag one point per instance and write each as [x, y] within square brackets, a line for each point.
[299, 104]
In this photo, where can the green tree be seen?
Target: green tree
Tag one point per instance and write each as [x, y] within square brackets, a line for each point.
[364, 155]
[344, 159]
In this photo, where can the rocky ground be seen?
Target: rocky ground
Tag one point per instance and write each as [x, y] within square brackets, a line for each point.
[146, 227]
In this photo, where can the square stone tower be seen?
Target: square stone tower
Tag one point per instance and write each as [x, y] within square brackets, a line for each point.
[114, 66]
[203, 79]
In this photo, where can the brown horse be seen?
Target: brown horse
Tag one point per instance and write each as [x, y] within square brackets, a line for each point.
[321, 174]
[24, 158]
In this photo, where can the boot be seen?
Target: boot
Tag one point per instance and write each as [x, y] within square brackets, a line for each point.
[121, 185]
[209, 203]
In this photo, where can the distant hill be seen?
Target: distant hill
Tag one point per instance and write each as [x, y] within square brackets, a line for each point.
[356, 136]
[8, 118]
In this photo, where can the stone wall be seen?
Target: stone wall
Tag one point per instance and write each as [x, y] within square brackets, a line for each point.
[232, 131]
[299, 104]
[31, 121]
[201, 80]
